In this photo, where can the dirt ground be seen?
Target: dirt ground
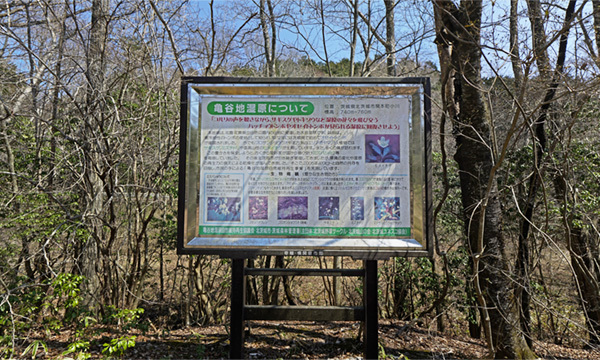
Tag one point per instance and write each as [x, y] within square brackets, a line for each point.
[302, 340]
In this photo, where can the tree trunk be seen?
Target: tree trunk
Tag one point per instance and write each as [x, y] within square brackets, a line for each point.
[596, 7]
[458, 33]
[323, 38]
[539, 141]
[584, 257]
[515, 57]
[94, 197]
[474, 312]
[267, 23]
[390, 44]
[354, 36]
[534, 10]
[584, 250]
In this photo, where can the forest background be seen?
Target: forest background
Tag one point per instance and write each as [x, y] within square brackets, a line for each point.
[89, 132]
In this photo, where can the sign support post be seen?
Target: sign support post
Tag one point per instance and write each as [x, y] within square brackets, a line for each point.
[238, 300]
[371, 322]
[367, 314]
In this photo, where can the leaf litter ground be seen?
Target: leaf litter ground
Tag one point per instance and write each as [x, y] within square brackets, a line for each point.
[300, 340]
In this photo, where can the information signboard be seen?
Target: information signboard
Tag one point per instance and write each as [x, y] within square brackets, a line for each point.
[305, 167]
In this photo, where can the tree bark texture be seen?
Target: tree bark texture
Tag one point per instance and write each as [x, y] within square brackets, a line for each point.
[534, 10]
[596, 7]
[267, 23]
[390, 44]
[458, 33]
[354, 37]
[539, 140]
[515, 57]
[584, 251]
[89, 261]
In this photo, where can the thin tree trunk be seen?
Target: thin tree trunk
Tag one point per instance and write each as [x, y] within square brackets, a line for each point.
[596, 9]
[265, 281]
[390, 45]
[251, 286]
[354, 37]
[534, 10]
[335, 283]
[267, 23]
[539, 139]
[515, 56]
[56, 99]
[584, 259]
[322, 13]
[581, 249]
[366, 66]
[213, 30]
[190, 292]
[95, 76]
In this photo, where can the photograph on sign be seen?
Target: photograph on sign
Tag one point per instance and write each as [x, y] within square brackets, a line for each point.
[288, 168]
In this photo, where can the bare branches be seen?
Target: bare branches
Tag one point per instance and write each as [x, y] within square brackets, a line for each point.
[171, 38]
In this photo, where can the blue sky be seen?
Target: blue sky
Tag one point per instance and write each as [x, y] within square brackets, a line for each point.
[417, 17]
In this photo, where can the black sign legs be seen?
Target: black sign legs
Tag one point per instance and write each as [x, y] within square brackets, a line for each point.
[238, 298]
[240, 312]
[371, 331]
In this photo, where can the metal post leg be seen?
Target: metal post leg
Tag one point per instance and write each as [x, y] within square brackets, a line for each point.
[238, 299]
[371, 330]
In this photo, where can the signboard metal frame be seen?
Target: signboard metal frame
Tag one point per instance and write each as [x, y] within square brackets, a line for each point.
[416, 90]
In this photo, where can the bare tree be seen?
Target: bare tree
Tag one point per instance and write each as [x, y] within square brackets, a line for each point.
[92, 146]
[390, 44]
[458, 38]
[540, 141]
[269, 31]
[354, 7]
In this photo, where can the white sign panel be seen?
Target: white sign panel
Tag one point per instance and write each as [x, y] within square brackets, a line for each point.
[300, 167]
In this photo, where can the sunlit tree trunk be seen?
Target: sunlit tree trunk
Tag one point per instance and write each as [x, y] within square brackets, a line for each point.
[539, 140]
[515, 57]
[458, 34]
[94, 196]
[269, 30]
[390, 44]
[534, 10]
[354, 37]
[323, 37]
